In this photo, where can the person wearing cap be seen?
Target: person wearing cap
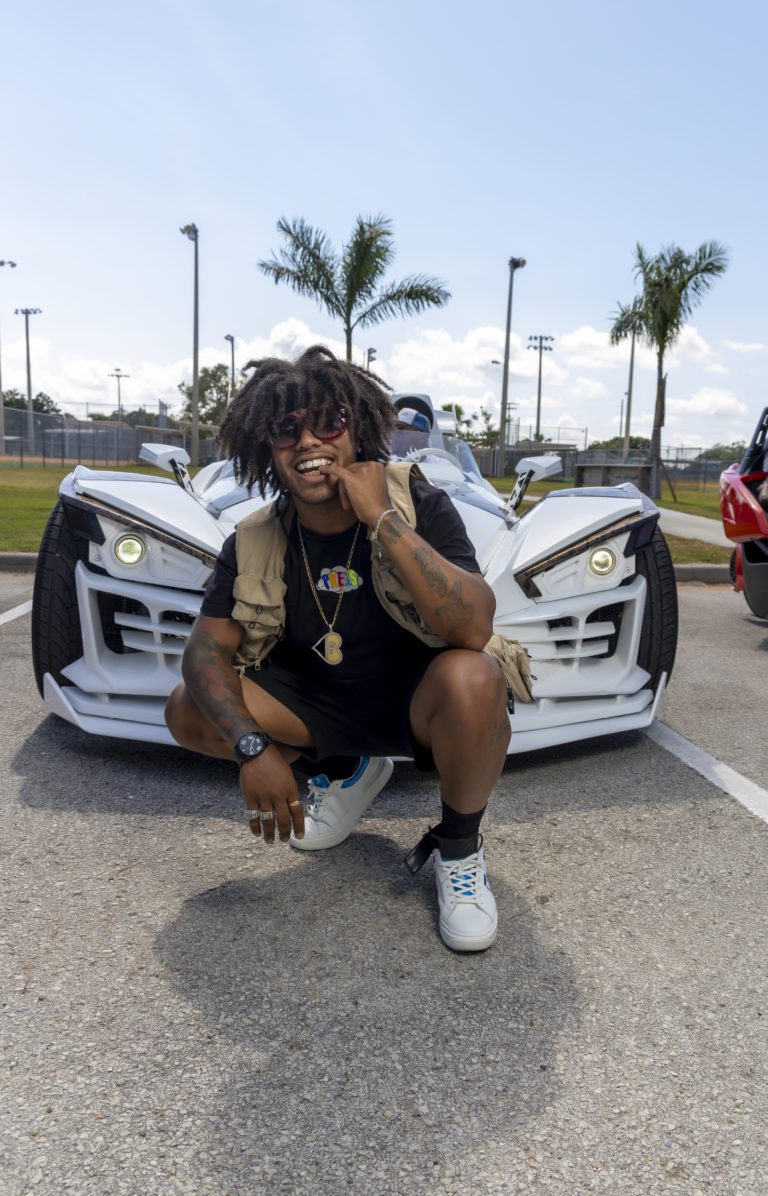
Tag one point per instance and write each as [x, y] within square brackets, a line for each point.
[347, 622]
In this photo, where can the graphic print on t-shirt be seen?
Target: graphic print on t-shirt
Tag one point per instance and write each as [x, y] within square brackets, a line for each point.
[338, 580]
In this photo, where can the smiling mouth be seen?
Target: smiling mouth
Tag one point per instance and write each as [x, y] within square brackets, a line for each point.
[312, 466]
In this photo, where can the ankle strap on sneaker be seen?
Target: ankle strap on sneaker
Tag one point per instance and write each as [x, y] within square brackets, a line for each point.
[458, 848]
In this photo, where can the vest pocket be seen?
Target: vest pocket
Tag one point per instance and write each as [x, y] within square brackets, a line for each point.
[259, 602]
[514, 662]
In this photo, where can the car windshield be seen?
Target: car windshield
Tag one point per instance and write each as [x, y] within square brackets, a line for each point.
[463, 454]
[408, 440]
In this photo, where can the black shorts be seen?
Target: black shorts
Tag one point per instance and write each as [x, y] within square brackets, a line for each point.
[346, 719]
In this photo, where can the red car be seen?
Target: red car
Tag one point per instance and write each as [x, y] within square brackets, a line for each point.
[744, 509]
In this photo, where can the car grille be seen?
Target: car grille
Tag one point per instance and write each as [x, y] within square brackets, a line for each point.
[588, 647]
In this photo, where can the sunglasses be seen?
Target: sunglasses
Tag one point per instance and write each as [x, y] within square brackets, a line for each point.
[325, 424]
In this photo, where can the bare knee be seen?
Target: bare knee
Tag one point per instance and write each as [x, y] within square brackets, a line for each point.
[471, 683]
[183, 719]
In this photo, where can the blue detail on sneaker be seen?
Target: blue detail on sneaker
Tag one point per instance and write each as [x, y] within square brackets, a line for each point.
[334, 808]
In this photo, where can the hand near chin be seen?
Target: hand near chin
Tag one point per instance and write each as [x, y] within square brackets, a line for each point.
[363, 487]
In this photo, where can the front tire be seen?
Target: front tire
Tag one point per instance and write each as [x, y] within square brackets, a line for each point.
[754, 564]
[56, 637]
[658, 638]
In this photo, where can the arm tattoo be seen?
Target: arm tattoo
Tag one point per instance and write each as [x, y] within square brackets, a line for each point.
[215, 686]
[390, 531]
[455, 612]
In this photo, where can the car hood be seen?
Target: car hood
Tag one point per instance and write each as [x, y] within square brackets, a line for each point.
[159, 502]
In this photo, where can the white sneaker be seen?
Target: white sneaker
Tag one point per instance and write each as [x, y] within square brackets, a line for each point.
[335, 807]
[468, 919]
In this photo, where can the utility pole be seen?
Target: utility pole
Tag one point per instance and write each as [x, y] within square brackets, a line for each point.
[118, 374]
[515, 263]
[2, 401]
[229, 337]
[191, 231]
[625, 452]
[538, 342]
[26, 312]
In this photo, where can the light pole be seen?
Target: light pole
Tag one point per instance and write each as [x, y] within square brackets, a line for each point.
[625, 449]
[370, 355]
[538, 342]
[118, 374]
[229, 337]
[2, 401]
[26, 312]
[510, 408]
[190, 230]
[515, 263]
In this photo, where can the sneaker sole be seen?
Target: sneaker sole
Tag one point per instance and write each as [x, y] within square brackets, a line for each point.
[322, 842]
[458, 942]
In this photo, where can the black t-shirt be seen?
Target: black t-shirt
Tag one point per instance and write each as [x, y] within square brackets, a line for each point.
[372, 643]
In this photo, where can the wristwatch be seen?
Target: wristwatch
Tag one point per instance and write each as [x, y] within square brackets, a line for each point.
[251, 745]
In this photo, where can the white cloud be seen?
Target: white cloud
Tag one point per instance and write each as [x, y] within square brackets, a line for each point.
[450, 368]
[708, 401]
[746, 346]
[588, 388]
[453, 369]
[590, 348]
[690, 346]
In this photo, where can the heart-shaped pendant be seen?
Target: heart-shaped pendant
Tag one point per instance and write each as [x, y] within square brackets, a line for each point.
[328, 647]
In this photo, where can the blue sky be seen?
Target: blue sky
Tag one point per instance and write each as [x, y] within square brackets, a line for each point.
[561, 133]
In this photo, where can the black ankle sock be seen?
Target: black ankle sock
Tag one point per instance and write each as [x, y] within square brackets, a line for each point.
[336, 768]
[454, 825]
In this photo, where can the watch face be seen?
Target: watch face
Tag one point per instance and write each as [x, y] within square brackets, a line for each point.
[250, 745]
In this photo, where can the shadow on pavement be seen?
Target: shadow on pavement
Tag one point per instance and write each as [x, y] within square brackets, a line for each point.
[65, 769]
[358, 1041]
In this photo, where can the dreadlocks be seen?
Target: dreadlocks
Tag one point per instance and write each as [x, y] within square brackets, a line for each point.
[316, 379]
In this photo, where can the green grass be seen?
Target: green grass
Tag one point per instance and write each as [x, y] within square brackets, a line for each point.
[696, 552]
[692, 501]
[26, 498]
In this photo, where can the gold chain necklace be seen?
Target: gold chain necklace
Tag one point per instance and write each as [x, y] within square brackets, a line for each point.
[330, 651]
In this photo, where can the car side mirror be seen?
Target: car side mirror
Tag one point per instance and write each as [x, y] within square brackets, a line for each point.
[172, 458]
[532, 469]
[162, 455]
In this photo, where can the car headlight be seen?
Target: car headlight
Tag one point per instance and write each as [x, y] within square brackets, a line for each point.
[602, 561]
[129, 549]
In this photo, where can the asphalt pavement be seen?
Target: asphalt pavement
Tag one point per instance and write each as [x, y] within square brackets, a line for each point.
[188, 1011]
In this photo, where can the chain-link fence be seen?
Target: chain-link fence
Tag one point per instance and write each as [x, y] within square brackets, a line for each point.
[64, 440]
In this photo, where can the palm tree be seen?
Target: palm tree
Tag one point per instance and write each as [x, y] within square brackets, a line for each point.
[628, 321]
[673, 284]
[349, 285]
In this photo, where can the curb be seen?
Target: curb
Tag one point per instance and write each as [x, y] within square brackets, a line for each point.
[18, 562]
[713, 575]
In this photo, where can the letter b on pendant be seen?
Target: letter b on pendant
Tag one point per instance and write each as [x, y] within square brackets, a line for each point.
[329, 647]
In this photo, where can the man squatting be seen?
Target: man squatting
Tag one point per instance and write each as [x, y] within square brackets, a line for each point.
[345, 623]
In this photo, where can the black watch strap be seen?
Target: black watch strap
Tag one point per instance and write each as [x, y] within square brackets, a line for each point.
[251, 745]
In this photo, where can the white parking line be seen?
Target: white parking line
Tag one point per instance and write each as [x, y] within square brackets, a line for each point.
[731, 782]
[16, 612]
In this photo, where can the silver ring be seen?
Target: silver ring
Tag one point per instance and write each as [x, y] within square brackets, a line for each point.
[266, 815]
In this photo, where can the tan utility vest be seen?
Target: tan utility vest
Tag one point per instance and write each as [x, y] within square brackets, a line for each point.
[259, 590]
